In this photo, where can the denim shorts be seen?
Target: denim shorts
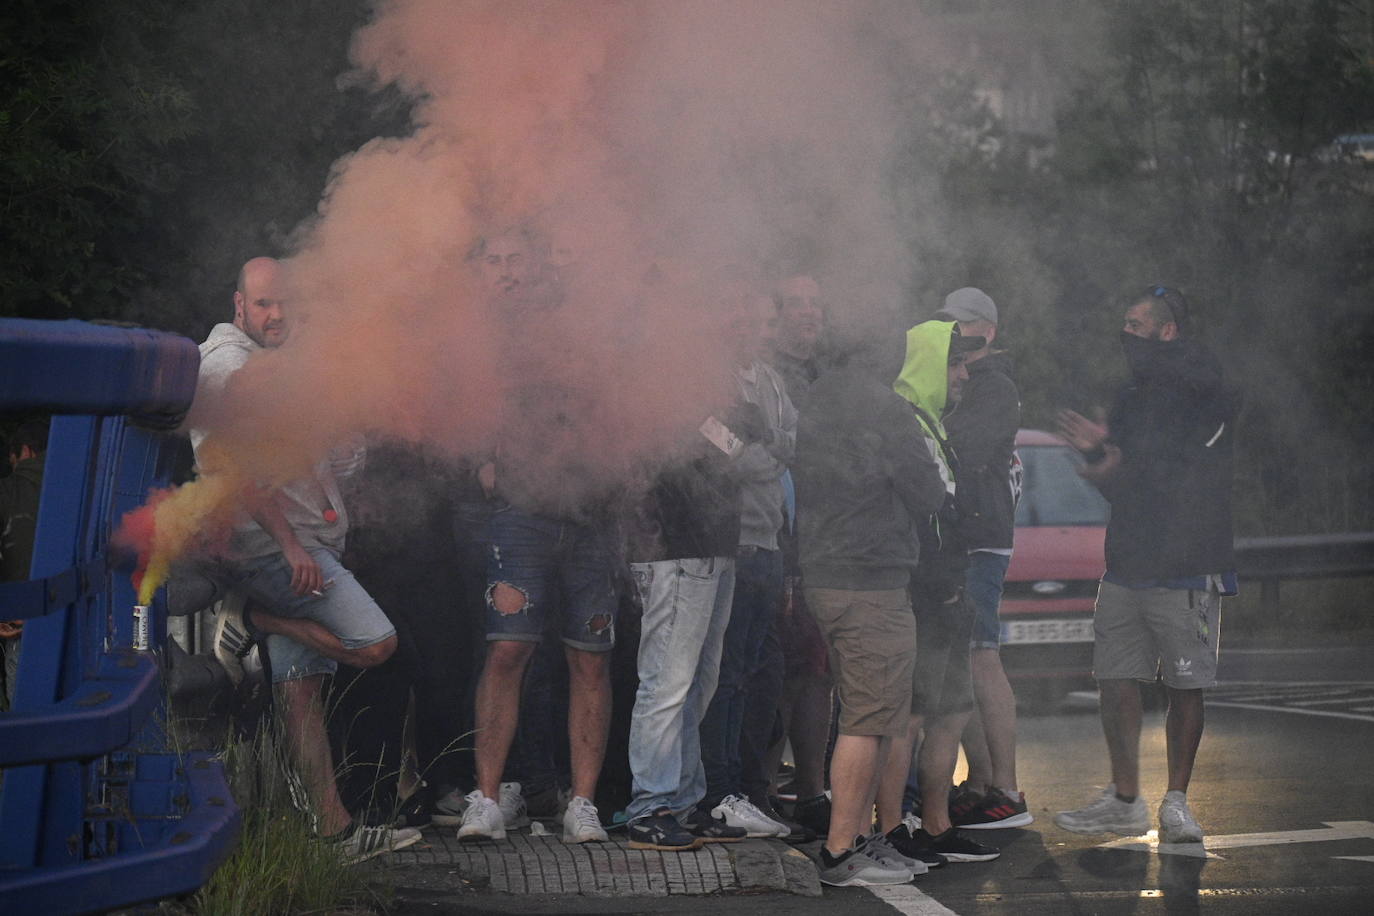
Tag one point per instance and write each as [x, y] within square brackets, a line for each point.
[555, 564]
[345, 609]
[983, 586]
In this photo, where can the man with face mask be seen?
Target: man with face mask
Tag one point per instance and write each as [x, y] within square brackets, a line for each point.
[1164, 462]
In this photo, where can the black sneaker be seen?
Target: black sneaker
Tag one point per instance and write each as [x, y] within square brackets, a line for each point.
[661, 830]
[954, 847]
[995, 811]
[902, 840]
[798, 834]
[708, 829]
[964, 799]
[813, 814]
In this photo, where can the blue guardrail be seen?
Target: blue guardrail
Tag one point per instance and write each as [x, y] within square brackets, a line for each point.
[97, 809]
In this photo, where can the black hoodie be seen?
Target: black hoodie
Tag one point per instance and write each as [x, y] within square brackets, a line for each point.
[1171, 498]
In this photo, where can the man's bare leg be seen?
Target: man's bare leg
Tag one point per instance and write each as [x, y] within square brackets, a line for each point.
[853, 781]
[892, 777]
[997, 711]
[975, 744]
[1183, 734]
[589, 717]
[498, 709]
[939, 755]
[308, 745]
[314, 635]
[1121, 714]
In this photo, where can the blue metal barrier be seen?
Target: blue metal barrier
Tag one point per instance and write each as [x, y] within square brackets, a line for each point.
[97, 809]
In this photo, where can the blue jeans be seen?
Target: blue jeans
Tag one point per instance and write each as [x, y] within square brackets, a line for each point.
[686, 611]
[758, 591]
[555, 564]
[983, 584]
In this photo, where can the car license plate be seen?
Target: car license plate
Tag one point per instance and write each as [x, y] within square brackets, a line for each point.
[1065, 630]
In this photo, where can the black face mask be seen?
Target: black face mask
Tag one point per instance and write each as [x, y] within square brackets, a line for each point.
[1144, 355]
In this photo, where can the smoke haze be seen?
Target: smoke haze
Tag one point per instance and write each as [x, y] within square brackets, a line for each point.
[656, 158]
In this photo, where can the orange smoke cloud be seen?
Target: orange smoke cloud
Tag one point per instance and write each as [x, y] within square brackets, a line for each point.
[646, 147]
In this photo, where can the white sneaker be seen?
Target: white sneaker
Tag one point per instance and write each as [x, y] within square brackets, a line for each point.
[448, 811]
[1108, 814]
[740, 812]
[233, 639]
[1176, 822]
[582, 822]
[483, 818]
[513, 806]
[362, 843]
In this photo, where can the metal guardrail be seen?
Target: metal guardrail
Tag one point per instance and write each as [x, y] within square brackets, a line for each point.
[97, 810]
[1270, 560]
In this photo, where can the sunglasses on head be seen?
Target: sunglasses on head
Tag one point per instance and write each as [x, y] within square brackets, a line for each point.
[1178, 306]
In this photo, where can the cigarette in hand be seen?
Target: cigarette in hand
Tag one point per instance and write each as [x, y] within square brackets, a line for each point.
[319, 592]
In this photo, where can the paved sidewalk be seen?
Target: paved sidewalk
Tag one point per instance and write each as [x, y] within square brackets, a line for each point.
[526, 863]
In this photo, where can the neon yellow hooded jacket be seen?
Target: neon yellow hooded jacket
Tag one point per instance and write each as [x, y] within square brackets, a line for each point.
[924, 380]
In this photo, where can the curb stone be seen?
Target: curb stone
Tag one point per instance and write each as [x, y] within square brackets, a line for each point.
[526, 863]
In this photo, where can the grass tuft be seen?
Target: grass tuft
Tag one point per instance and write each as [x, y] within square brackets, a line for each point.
[279, 866]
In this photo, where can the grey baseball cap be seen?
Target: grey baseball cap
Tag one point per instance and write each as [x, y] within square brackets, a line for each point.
[968, 304]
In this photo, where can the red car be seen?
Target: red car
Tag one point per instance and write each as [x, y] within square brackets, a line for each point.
[1047, 605]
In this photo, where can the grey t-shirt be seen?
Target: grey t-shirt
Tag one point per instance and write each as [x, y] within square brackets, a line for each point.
[308, 504]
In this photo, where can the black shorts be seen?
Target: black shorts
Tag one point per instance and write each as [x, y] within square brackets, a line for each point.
[943, 684]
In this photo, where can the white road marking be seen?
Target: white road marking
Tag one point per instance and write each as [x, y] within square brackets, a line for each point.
[1355, 858]
[1350, 699]
[1294, 709]
[1334, 830]
[908, 900]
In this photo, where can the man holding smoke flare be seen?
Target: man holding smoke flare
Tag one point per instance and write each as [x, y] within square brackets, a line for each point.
[284, 552]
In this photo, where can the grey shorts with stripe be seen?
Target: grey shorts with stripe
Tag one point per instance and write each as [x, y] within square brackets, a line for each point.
[1143, 632]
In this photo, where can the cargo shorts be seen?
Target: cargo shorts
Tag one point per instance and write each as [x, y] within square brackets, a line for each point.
[871, 640]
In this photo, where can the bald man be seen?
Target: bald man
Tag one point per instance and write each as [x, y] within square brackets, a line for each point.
[284, 553]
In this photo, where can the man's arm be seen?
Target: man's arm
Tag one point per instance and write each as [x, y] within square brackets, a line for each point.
[262, 506]
[1103, 459]
[767, 459]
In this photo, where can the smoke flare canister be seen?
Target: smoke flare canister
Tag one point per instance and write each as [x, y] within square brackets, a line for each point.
[141, 618]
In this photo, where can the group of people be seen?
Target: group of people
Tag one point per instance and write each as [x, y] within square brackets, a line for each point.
[820, 566]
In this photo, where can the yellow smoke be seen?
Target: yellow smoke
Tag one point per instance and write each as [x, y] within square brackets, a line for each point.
[194, 514]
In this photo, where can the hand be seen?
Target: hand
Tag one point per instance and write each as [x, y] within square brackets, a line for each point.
[1100, 471]
[486, 476]
[306, 575]
[790, 585]
[1080, 432]
[747, 421]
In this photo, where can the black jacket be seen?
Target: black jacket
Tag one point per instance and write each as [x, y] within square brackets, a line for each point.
[692, 509]
[1171, 497]
[982, 430]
